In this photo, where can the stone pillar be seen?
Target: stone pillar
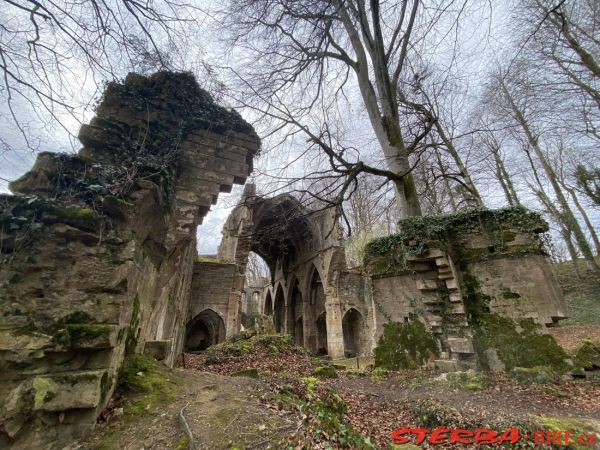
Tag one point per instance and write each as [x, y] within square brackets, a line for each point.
[335, 335]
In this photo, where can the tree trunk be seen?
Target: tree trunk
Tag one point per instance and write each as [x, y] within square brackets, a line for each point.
[475, 197]
[572, 251]
[567, 214]
[587, 220]
[505, 181]
[446, 182]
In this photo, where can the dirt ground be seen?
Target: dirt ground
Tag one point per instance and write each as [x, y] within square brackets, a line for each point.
[222, 413]
[226, 412]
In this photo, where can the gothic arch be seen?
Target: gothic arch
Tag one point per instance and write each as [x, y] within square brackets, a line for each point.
[268, 309]
[296, 312]
[353, 327]
[279, 310]
[204, 330]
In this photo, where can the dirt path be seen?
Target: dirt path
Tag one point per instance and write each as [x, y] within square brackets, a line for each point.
[223, 413]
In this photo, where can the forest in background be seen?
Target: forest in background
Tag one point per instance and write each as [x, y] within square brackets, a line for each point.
[383, 109]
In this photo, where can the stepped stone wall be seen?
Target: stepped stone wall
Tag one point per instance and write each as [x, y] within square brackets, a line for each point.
[492, 264]
[98, 251]
[454, 273]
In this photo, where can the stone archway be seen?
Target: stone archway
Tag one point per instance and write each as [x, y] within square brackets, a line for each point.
[204, 330]
[321, 328]
[317, 328]
[279, 311]
[295, 314]
[268, 309]
[353, 330]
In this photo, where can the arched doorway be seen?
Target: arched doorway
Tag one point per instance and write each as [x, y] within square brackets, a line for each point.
[268, 310]
[353, 330]
[295, 314]
[204, 330]
[279, 311]
[321, 325]
[318, 327]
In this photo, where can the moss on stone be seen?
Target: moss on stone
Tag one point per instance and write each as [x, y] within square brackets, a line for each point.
[587, 354]
[44, 391]
[518, 344]
[416, 231]
[534, 375]
[324, 372]
[84, 218]
[244, 344]
[404, 345]
[77, 317]
[154, 382]
[508, 294]
[79, 331]
[470, 380]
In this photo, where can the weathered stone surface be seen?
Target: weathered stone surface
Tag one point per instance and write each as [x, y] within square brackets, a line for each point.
[494, 363]
[103, 265]
[460, 345]
[159, 350]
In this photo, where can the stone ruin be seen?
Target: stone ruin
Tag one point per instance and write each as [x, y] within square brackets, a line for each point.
[98, 250]
[481, 261]
[99, 260]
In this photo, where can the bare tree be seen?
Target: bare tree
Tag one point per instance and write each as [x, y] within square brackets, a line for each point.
[308, 60]
[508, 88]
[50, 51]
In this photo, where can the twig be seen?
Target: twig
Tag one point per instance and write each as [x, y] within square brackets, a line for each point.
[186, 427]
[231, 423]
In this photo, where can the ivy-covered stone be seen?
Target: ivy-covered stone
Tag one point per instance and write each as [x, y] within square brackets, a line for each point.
[405, 345]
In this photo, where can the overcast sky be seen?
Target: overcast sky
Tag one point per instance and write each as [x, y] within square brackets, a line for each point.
[483, 39]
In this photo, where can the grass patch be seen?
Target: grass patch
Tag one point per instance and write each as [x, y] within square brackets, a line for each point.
[578, 427]
[151, 383]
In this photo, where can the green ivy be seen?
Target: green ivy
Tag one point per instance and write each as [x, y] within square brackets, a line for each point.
[417, 232]
[404, 345]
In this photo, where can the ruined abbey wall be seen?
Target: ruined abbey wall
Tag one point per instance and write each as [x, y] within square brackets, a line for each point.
[98, 251]
[450, 273]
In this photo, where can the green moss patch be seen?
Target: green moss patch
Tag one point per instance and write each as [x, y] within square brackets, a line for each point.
[587, 355]
[577, 426]
[153, 383]
[240, 345]
[517, 344]
[404, 345]
[534, 375]
[182, 444]
[325, 372]
[417, 232]
[470, 381]
[379, 374]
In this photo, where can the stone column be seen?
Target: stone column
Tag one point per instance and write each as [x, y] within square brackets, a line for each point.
[335, 335]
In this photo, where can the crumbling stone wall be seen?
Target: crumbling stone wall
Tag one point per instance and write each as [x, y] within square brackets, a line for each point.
[448, 272]
[98, 248]
[305, 254]
[455, 273]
